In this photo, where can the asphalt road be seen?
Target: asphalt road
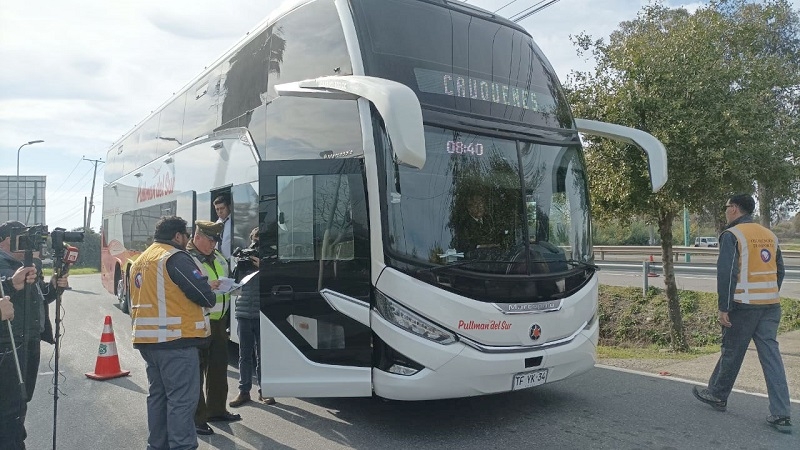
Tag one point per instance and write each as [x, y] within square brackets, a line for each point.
[602, 409]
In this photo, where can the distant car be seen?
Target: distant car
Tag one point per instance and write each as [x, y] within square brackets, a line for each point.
[706, 242]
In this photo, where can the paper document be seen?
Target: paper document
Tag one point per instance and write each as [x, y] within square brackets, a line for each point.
[227, 285]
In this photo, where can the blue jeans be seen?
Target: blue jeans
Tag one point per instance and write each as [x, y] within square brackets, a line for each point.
[249, 353]
[173, 376]
[759, 323]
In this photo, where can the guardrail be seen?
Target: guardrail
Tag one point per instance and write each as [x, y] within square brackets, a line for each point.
[655, 250]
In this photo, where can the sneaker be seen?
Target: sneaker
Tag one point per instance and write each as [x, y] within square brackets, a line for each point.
[705, 396]
[240, 400]
[780, 423]
[203, 429]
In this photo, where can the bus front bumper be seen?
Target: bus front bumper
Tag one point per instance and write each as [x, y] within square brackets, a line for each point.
[458, 370]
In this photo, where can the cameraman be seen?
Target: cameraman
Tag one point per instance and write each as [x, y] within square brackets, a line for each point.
[30, 295]
[248, 306]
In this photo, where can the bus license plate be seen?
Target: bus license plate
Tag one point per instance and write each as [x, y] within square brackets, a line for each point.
[529, 379]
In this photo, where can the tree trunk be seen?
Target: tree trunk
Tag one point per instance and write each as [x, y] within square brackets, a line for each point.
[678, 339]
[764, 200]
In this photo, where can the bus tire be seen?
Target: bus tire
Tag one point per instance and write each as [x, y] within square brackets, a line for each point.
[123, 295]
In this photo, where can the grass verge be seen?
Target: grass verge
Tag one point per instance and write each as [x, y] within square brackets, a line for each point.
[73, 271]
[637, 326]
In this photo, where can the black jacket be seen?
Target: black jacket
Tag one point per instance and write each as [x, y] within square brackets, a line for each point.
[31, 322]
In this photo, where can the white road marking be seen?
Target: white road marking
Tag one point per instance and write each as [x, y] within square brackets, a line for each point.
[682, 380]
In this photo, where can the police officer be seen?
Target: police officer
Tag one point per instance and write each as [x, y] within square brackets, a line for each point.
[214, 359]
[169, 294]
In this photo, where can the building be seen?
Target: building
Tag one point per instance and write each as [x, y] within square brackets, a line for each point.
[22, 198]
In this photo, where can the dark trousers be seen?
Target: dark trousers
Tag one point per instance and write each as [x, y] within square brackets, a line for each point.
[12, 407]
[761, 325]
[214, 370]
[249, 353]
[172, 397]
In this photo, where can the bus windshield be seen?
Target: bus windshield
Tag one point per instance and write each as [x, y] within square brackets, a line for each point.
[490, 206]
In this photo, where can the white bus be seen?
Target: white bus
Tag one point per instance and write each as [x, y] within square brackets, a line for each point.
[420, 188]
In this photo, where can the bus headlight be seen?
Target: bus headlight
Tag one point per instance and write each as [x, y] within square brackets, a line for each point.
[411, 321]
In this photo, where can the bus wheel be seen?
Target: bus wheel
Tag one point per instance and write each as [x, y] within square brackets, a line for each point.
[123, 296]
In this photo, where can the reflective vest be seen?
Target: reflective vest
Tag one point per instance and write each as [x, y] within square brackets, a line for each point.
[758, 270]
[215, 272]
[160, 310]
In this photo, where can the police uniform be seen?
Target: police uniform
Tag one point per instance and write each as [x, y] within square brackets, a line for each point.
[214, 359]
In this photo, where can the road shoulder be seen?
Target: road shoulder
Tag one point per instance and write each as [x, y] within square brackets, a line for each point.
[750, 379]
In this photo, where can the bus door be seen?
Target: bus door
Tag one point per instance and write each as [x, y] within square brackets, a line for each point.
[314, 249]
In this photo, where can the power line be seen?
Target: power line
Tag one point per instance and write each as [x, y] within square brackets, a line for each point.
[69, 175]
[524, 14]
[507, 4]
[71, 189]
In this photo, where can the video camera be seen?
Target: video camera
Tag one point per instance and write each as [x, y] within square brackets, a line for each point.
[34, 238]
[244, 265]
[31, 238]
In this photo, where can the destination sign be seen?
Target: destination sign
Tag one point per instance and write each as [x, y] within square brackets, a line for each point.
[531, 97]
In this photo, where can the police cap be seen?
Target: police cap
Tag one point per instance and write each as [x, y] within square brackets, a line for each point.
[210, 229]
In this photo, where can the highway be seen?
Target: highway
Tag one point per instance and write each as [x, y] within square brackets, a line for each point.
[695, 276]
[602, 409]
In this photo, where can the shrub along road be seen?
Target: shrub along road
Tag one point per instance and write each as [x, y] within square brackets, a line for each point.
[699, 369]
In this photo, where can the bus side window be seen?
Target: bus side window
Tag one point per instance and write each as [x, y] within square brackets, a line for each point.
[333, 218]
[315, 218]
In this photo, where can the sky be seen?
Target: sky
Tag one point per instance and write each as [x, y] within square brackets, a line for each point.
[80, 74]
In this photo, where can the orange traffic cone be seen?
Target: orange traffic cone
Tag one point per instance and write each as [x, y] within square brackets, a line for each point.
[107, 365]
[651, 273]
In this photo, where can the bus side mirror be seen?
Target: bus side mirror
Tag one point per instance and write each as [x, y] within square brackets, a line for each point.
[396, 103]
[656, 153]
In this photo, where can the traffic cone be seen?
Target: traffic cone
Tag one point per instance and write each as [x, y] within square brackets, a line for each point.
[107, 365]
[650, 273]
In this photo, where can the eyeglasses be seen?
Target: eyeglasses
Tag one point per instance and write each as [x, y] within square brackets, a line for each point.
[728, 206]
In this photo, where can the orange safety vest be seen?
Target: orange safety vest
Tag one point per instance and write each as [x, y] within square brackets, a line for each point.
[758, 270]
[160, 310]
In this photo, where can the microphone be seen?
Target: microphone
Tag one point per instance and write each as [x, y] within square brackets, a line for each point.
[70, 255]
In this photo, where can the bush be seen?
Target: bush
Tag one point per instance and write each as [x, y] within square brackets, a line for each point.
[627, 319]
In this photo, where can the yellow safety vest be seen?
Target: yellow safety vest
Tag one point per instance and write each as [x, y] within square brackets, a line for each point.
[219, 270]
[160, 310]
[758, 270]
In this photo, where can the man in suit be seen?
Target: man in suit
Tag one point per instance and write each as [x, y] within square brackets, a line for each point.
[222, 206]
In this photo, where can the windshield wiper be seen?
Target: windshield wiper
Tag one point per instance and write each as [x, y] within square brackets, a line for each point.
[584, 264]
[464, 263]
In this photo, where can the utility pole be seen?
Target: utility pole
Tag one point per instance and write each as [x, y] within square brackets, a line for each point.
[91, 196]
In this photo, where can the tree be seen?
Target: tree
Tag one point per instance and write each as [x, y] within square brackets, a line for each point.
[89, 249]
[766, 40]
[688, 80]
